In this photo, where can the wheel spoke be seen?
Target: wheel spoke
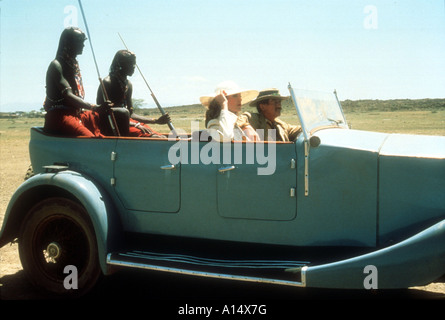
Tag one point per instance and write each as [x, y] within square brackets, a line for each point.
[71, 241]
[57, 233]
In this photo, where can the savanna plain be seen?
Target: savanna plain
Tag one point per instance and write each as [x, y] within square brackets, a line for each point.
[423, 117]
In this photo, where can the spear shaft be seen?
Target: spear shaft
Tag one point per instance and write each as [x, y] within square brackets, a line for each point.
[170, 124]
[111, 117]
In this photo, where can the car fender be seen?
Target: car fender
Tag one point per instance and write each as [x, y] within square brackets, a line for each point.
[71, 184]
[417, 260]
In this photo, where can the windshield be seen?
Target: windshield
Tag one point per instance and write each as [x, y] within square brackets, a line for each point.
[317, 110]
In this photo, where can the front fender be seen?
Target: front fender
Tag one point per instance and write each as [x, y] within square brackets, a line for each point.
[418, 260]
[89, 194]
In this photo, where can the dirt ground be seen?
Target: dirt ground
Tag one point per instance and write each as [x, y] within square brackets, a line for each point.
[14, 161]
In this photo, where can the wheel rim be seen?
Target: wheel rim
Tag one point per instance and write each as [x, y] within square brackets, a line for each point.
[60, 241]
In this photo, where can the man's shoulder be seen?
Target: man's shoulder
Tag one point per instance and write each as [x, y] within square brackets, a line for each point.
[108, 81]
[55, 64]
[284, 124]
[280, 122]
[54, 71]
[256, 120]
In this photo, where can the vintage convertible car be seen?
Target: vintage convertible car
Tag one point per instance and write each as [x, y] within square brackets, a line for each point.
[337, 208]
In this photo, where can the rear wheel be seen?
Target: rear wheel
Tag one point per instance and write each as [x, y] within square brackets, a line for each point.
[58, 249]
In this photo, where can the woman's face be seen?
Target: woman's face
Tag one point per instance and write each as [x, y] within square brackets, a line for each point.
[234, 102]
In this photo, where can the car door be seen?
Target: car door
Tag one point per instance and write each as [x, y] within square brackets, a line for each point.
[144, 179]
[259, 181]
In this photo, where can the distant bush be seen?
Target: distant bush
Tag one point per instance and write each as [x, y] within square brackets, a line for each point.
[347, 105]
[393, 105]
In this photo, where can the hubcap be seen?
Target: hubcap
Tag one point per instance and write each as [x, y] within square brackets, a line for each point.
[53, 251]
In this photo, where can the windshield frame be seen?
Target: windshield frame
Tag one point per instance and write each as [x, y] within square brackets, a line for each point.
[317, 110]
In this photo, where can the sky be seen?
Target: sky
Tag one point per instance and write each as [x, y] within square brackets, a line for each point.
[372, 49]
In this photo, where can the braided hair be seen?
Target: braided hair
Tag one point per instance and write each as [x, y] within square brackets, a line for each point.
[121, 58]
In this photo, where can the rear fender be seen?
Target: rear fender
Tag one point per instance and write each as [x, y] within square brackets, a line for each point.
[72, 185]
[418, 260]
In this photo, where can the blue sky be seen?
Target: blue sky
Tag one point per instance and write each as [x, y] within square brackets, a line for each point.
[364, 49]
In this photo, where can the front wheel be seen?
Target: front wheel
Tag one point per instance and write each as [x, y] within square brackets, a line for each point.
[57, 247]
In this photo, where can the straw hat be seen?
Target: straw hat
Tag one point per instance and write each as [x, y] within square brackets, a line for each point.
[230, 87]
[268, 94]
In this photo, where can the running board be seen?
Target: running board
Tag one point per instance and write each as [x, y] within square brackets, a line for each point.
[290, 273]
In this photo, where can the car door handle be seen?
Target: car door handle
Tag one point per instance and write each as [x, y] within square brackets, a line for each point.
[224, 169]
[168, 167]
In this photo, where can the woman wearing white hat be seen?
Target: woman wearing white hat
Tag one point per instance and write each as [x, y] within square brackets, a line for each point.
[222, 110]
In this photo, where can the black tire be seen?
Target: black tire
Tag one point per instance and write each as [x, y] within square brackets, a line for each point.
[57, 233]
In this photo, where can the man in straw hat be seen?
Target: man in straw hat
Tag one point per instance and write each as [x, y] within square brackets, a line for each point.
[268, 104]
[223, 108]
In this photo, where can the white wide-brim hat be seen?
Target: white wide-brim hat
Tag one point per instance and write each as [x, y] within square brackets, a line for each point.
[230, 87]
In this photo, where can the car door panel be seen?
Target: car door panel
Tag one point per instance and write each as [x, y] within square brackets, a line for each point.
[245, 192]
[145, 180]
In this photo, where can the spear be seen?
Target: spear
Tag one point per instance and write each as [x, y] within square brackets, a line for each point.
[111, 117]
[170, 124]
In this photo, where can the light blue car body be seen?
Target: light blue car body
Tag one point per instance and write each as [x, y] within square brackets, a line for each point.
[380, 192]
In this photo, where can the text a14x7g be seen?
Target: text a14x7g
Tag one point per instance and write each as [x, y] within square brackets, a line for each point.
[226, 309]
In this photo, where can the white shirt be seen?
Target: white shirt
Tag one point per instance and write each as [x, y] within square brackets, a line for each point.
[224, 127]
